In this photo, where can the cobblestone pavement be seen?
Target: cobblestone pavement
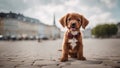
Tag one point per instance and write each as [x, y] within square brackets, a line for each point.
[100, 53]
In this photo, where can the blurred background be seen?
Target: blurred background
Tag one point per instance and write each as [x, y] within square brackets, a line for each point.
[39, 19]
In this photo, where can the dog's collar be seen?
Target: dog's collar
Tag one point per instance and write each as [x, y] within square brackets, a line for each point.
[70, 35]
[74, 28]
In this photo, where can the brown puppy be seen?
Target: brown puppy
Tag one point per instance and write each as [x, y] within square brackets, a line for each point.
[72, 43]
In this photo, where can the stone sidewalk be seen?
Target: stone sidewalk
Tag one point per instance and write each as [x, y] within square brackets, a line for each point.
[100, 53]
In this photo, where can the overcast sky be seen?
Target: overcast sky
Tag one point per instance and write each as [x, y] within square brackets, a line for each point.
[96, 11]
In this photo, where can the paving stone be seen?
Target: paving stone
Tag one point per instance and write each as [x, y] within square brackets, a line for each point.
[118, 61]
[116, 66]
[51, 66]
[1, 66]
[87, 62]
[115, 58]
[9, 63]
[86, 66]
[24, 55]
[45, 62]
[28, 62]
[102, 58]
[7, 66]
[16, 59]
[2, 59]
[24, 64]
[93, 62]
[27, 67]
[111, 63]
[64, 64]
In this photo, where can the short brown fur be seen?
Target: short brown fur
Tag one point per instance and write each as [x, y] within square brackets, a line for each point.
[77, 51]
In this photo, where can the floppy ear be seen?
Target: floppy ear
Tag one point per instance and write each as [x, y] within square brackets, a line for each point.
[84, 22]
[63, 20]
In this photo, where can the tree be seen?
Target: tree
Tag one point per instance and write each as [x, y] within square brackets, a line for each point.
[104, 30]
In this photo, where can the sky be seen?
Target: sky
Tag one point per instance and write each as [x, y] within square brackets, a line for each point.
[96, 11]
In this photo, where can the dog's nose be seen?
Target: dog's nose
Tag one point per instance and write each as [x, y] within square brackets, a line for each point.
[73, 25]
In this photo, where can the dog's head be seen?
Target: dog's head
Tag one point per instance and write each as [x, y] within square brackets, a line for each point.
[74, 21]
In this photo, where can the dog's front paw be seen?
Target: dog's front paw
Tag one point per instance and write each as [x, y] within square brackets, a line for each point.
[82, 58]
[63, 59]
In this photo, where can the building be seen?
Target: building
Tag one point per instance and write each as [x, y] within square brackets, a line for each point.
[18, 25]
[12, 24]
[50, 31]
[55, 31]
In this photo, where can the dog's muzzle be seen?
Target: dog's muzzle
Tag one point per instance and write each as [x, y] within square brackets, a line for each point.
[73, 27]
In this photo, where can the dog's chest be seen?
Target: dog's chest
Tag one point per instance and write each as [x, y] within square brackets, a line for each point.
[73, 40]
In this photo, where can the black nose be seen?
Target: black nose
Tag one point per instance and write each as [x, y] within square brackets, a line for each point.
[73, 25]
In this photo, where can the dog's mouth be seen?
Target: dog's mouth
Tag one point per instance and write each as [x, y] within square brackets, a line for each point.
[73, 28]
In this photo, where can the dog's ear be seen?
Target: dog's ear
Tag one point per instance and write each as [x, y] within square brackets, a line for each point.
[84, 22]
[63, 20]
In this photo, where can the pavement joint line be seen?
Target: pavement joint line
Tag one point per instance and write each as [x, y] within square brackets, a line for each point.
[37, 60]
[33, 62]
[41, 66]
[1, 65]
[17, 65]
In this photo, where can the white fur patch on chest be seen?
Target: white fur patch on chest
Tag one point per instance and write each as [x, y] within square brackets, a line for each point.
[72, 42]
[74, 32]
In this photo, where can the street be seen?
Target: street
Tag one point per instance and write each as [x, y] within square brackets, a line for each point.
[100, 53]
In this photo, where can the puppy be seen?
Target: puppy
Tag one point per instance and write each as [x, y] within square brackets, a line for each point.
[72, 42]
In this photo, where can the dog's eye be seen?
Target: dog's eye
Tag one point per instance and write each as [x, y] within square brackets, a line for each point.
[78, 20]
[69, 19]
